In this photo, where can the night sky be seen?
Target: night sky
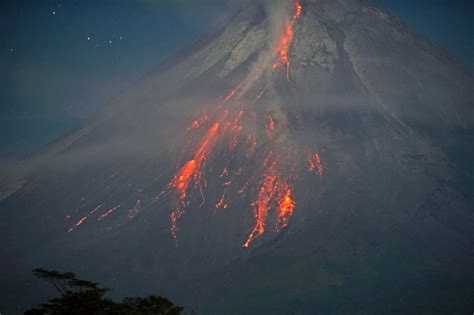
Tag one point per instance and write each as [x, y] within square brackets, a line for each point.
[60, 60]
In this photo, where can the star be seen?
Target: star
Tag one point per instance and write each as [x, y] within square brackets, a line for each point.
[54, 12]
[88, 38]
[110, 42]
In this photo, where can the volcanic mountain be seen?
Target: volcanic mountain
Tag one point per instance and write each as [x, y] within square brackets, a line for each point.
[301, 157]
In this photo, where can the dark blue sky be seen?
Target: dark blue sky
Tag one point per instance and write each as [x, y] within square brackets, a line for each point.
[60, 60]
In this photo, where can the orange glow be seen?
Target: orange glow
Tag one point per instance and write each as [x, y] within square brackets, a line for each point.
[269, 197]
[197, 123]
[203, 150]
[184, 176]
[262, 206]
[314, 163]
[286, 208]
[107, 213]
[232, 127]
[222, 203]
[285, 41]
[192, 170]
[84, 219]
[237, 133]
[274, 193]
[232, 92]
[298, 10]
[174, 225]
[283, 47]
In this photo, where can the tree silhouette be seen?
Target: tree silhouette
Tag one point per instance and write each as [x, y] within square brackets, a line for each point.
[86, 297]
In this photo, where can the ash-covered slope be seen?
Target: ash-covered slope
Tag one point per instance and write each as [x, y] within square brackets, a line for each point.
[332, 126]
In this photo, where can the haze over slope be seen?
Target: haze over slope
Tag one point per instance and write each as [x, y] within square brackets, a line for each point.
[299, 155]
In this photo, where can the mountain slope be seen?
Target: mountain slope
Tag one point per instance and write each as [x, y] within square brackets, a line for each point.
[349, 181]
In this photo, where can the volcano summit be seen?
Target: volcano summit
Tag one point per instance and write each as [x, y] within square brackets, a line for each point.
[304, 157]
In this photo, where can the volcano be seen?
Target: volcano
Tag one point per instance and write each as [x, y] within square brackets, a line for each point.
[301, 157]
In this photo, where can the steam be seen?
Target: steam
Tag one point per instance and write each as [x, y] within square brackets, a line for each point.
[277, 12]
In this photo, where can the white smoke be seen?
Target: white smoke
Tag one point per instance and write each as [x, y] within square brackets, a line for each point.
[277, 13]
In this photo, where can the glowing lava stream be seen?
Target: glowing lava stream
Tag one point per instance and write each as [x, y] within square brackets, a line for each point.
[222, 203]
[107, 213]
[265, 195]
[192, 170]
[286, 39]
[274, 193]
[286, 207]
[84, 219]
[274, 190]
[233, 128]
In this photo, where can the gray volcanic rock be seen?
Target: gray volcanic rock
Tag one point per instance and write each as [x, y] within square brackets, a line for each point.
[387, 229]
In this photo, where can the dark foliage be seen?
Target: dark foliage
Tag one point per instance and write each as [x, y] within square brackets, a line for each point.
[86, 297]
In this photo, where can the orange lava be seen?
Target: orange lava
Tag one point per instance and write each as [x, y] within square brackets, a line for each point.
[84, 219]
[222, 203]
[107, 213]
[286, 39]
[286, 208]
[298, 10]
[191, 171]
[183, 178]
[262, 207]
[274, 193]
[233, 92]
[283, 47]
[232, 129]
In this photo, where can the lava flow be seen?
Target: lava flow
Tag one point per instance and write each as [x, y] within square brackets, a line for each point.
[298, 10]
[193, 170]
[231, 132]
[107, 213]
[286, 39]
[84, 219]
[266, 193]
[286, 208]
[222, 203]
[274, 192]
